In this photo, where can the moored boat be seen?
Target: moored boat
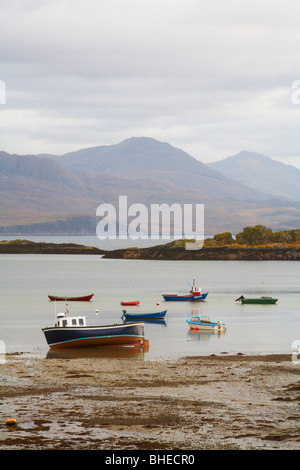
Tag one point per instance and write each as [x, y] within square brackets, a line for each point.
[258, 300]
[204, 323]
[195, 294]
[130, 302]
[84, 298]
[144, 316]
[73, 332]
[185, 297]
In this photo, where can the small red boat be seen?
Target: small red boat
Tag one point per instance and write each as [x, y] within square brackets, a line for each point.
[128, 302]
[85, 298]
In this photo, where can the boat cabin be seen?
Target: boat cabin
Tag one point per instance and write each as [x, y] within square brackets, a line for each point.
[200, 320]
[64, 321]
[195, 290]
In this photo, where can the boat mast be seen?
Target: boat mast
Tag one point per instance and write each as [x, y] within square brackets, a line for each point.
[67, 309]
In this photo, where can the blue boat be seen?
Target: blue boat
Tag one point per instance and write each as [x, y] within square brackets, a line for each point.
[72, 332]
[144, 316]
[185, 297]
[195, 294]
[204, 323]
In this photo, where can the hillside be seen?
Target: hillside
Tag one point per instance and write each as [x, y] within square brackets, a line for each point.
[60, 194]
[144, 158]
[262, 173]
[36, 189]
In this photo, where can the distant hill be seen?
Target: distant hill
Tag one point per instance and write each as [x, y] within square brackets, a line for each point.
[148, 159]
[36, 189]
[60, 194]
[262, 173]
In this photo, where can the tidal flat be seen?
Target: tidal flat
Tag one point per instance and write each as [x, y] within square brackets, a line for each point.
[224, 402]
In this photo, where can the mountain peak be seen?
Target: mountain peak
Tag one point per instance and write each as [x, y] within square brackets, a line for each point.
[148, 159]
[262, 173]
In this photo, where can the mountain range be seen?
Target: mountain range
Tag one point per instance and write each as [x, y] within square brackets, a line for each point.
[59, 194]
[260, 172]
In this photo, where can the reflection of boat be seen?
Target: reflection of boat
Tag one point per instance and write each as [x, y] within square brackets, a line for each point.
[259, 300]
[144, 316]
[84, 298]
[204, 323]
[202, 335]
[195, 294]
[130, 302]
[72, 332]
[109, 352]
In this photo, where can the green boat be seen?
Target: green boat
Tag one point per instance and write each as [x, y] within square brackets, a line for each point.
[260, 300]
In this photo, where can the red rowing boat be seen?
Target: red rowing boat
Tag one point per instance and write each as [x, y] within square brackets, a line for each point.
[133, 302]
[84, 298]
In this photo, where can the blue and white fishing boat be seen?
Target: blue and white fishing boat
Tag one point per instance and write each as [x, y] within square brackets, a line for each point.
[73, 332]
[204, 323]
[144, 316]
[195, 294]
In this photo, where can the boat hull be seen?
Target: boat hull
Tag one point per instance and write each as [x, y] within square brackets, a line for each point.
[259, 301]
[206, 327]
[145, 316]
[188, 297]
[84, 298]
[135, 302]
[91, 336]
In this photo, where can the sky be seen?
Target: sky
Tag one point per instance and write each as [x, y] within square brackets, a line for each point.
[212, 78]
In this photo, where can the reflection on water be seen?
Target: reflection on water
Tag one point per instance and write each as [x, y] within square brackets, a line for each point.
[194, 335]
[107, 352]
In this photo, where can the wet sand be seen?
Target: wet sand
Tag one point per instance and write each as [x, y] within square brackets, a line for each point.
[194, 403]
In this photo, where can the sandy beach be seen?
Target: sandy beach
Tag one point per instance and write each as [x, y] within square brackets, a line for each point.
[215, 402]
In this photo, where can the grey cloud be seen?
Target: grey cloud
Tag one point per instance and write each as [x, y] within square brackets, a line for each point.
[210, 77]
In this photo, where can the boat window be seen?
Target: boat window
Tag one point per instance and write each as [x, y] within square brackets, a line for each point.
[64, 322]
[80, 321]
[195, 319]
[74, 322]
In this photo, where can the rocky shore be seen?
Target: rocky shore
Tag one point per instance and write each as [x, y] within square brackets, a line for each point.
[169, 251]
[165, 252]
[194, 403]
[28, 247]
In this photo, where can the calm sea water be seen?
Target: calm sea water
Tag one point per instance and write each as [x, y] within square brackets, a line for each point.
[26, 281]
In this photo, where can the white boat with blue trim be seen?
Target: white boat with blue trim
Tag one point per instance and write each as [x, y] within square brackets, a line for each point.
[204, 323]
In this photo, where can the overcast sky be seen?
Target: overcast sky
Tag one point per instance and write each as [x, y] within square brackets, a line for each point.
[210, 77]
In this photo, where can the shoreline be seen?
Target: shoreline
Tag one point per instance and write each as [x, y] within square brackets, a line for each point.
[224, 402]
[170, 251]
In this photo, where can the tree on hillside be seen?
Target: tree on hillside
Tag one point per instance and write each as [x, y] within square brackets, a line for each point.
[224, 238]
[257, 235]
